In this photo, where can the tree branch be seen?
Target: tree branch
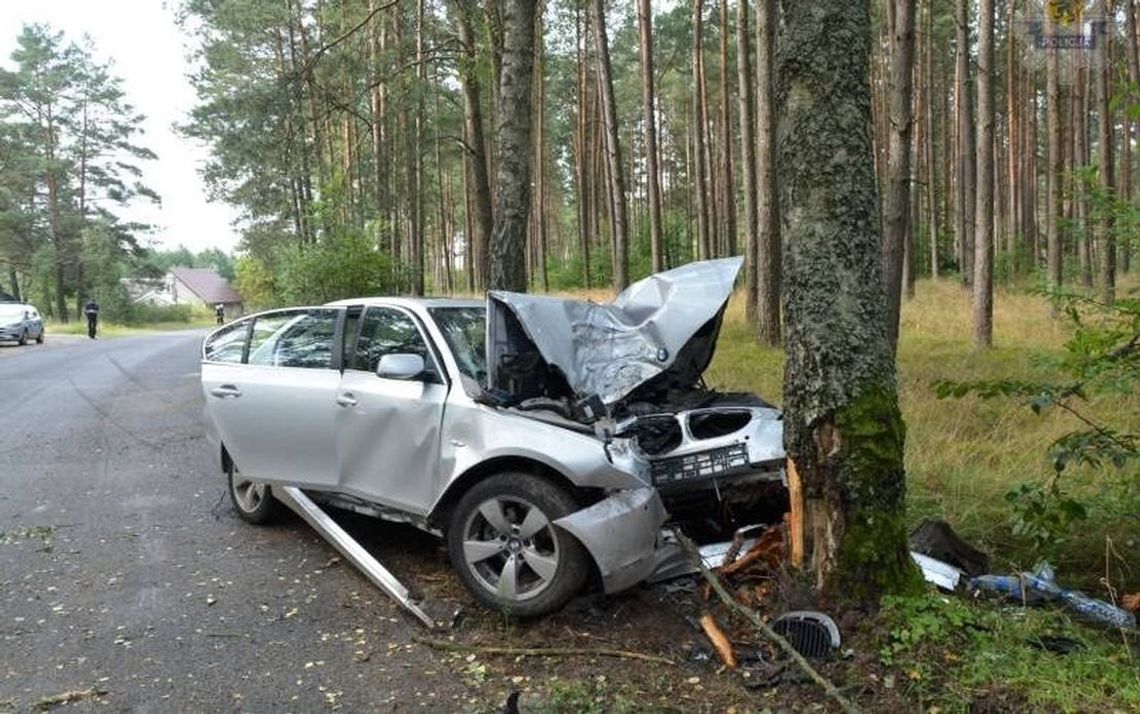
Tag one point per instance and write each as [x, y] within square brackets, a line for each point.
[539, 651]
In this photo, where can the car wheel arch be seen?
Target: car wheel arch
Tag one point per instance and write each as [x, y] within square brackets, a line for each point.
[441, 512]
[225, 460]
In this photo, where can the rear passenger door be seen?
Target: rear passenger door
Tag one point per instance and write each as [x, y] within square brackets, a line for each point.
[274, 410]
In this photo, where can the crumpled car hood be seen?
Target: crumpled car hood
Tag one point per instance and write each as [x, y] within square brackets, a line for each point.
[666, 324]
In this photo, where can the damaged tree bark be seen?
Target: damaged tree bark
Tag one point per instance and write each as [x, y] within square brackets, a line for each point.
[842, 424]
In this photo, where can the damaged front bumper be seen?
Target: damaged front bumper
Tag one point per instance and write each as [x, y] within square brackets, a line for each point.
[622, 533]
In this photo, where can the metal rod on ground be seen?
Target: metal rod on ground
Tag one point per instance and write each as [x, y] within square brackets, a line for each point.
[830, 689]
[331, 531]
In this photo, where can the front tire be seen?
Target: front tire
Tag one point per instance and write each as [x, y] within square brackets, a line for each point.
[23, 338]
[503, 542]
[253, 500]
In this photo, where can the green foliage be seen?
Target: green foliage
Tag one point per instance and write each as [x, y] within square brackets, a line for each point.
[1044, 515]
[948, 650]
[336, 268]
[255, 282]
[68, 160]
[583, 697]
[919, 620]
[145, 314]
[155, 263]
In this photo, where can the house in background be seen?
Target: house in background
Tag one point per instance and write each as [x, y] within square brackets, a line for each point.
[199, 287]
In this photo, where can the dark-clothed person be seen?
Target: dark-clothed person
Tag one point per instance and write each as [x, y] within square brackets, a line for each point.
[91, 310]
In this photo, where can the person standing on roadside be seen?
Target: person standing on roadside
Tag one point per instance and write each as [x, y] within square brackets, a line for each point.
[91, 310]
[220, 313]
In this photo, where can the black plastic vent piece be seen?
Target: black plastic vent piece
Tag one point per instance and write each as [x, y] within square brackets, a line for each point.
[812, 634]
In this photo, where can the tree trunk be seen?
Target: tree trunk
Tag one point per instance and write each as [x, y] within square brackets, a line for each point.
[842, 425]
[1054, 198]
[475, 153]
[931, 165]
[897, 200]
[583, 146]
[728, 190]
[613, 149]
[1078, 188]
[1030, 196]
[1013, 117]
[508, 238]
[653, 183]
[1129, 124]
[984, 212]
[1106, 243]
[701, 179]
[967, 192]
[769, 248]
[747, 154]
[418, 224]
[540, 155]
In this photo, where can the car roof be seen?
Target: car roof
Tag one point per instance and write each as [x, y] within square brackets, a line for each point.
[412, 302]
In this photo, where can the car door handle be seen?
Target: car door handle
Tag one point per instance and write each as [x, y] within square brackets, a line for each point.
[226, 391]
[347, 399]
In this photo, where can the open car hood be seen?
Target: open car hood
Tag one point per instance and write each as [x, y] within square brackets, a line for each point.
[662, 329]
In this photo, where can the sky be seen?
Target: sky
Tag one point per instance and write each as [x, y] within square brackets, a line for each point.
[148, 52]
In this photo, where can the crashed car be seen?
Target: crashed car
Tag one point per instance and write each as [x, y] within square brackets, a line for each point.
[547, 440]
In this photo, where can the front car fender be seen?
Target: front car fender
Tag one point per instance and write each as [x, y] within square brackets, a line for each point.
[622, 534]
[474, 434]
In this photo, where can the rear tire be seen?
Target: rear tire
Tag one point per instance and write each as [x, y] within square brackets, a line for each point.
[509, 554]
[253, 500]
[40, 338]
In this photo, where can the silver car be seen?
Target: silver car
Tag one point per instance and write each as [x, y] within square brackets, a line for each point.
[20, 322]
[547, 440]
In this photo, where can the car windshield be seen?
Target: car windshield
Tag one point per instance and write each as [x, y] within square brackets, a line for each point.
[465, 330]
[12, 312]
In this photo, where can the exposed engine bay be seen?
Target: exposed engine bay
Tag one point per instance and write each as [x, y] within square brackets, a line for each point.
[631, 371]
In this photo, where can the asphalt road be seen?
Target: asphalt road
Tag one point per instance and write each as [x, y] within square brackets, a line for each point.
[126, 582]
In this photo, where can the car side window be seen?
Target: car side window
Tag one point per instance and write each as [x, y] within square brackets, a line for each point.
[227, 344]
[385, 331]
[294, 338]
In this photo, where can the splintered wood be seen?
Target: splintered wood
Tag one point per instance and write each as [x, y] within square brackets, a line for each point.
[761, 561]
[768, 550]
[719, 640]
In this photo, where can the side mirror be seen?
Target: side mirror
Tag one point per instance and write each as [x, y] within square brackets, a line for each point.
[400, 366]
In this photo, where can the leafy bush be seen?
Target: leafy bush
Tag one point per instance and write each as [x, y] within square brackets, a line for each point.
[335, 268]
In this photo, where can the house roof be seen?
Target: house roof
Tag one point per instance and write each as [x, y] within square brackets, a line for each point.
[206, 284]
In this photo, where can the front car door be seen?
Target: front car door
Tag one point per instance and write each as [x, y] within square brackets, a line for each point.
[274, 409]
[388, 430]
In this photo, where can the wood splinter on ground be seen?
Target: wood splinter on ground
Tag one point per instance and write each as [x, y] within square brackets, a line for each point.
[719, 640]
[1132, 602]
[76, 695]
